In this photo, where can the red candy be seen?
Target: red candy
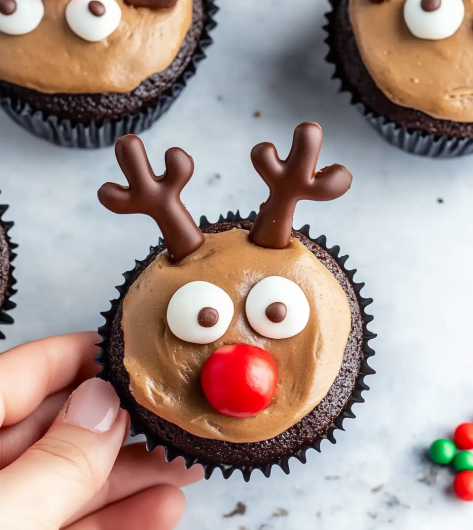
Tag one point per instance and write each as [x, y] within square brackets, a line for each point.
[239, 380]
[463, 485]
[463, 437]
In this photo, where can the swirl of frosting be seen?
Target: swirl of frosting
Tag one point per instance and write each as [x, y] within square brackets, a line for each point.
[434, 19]
[93, 21]
[165, 370]
[19, 17]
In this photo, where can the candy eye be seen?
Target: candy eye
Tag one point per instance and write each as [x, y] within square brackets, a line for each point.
[277, 308]
[200, 312]
[92, 20]
[433, 19]
[18, 17]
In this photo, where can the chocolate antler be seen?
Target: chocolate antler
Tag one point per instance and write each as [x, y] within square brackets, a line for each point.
[152, 4]
[158, 197]
[292, 180]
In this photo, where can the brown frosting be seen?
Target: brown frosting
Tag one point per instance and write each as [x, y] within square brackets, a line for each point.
[165, 371]
[52, 59]
[432, 76]
[152, 4]
[292, 180]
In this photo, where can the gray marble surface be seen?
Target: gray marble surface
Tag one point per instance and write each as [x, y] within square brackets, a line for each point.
[413, 251]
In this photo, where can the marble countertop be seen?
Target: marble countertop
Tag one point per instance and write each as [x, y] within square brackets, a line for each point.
[406, 225]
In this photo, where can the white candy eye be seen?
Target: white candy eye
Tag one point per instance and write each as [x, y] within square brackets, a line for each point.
[277, 308]
[18, 17]
[92, 20]
[200, 312]
[434, 19]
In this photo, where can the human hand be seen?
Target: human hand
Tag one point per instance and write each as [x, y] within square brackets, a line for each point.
[61, 459]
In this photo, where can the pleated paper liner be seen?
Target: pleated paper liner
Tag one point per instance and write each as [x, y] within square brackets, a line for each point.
[67, 133]
[411, 141]
[7, 304]
[153, 441]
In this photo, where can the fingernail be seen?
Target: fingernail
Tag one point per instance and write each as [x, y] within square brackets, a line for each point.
[93, 406]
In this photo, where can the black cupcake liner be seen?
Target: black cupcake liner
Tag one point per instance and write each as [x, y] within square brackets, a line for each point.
[171, 452]
[7, 305]
[90, 135]
[411, 141]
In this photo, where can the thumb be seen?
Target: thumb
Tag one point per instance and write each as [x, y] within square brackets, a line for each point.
[55, 477]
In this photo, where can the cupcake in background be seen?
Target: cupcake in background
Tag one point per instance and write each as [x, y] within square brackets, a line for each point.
[407, 65]
[83, 73]
[6, 270]
[242, 343]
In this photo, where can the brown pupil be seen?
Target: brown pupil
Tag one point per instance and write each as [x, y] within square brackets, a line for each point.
[97, 8]
[7, 7]
[276, 312]
[208, 317]
[431, 5]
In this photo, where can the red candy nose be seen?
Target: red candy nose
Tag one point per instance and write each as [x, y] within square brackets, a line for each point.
[239, 380]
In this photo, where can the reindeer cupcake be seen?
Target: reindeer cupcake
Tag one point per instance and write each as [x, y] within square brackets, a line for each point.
[407, 64]
[82, 73]
[243, 343]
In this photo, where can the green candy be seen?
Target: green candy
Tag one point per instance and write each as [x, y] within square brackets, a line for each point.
[463, 461]
[442, 452]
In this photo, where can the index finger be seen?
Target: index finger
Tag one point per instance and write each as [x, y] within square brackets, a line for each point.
[32, 371]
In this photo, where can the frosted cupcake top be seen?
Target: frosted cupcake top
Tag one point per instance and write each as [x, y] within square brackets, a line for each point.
[82, 46]
[419, 53]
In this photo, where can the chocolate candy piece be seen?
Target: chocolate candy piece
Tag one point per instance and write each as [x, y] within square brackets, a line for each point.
[442, 452]
[463, 436]
[158, 197]
[463, 461]
[431, 5]
[276, 312]
[463, 486]
[293, 180]
[97, 8]
[7, 7]
[208, 317]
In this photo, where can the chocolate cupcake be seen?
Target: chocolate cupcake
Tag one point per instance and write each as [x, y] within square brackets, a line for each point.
[6, 270]
[407, 66]
[242, 343]
[82, 73]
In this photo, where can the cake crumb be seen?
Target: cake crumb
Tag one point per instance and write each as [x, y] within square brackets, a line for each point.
[240, 509]
[214, 178]
[257, 114]
[392, 501]
[377, 488]
[281, 512]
